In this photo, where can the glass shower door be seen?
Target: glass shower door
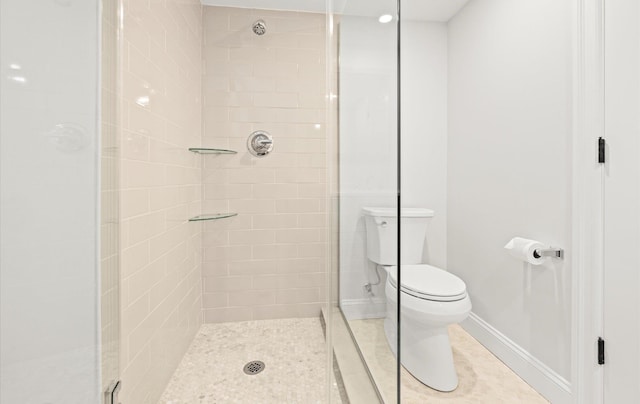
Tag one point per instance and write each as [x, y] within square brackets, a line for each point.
[58, 248]
[488, 146]
[367, 186]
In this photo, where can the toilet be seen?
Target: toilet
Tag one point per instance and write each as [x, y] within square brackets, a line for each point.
[430, 298]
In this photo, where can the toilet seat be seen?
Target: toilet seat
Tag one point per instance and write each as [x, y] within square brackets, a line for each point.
[428, 282]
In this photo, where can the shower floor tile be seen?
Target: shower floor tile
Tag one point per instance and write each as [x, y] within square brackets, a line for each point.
[483, 377]
[293, 351]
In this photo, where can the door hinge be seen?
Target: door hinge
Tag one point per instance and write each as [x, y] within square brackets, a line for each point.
[602, 146]
[600, 351]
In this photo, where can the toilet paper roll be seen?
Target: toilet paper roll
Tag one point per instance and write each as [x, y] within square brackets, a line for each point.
[522, 249]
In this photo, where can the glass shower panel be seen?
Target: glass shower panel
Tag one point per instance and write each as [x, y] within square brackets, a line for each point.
[50, 187]
[366, 34]
[486, 140]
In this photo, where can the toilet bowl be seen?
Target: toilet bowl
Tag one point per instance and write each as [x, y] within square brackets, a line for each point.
[430, 298]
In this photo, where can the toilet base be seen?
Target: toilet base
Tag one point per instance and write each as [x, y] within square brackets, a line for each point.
[426, 350]
[426, 353]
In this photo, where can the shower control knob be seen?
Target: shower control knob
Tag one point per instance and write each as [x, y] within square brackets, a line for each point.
[260, 143]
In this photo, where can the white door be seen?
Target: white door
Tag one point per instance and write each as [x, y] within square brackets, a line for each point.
[622, 202]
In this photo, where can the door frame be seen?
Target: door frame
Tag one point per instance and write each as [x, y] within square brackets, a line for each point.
[587, 382]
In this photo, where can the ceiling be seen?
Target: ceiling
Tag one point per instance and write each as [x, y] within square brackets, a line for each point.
[420, 10]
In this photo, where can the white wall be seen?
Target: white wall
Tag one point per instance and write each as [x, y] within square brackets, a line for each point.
[424, 129]
[368, 142]
[49, 320]
[509, 162]
[367, 150]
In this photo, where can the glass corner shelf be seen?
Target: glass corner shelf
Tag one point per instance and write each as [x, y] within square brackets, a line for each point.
[212, 216]
[203, 150]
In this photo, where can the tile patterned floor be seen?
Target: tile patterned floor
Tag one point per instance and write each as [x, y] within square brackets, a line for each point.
[295, 373]
[483, 377]
[293, 350]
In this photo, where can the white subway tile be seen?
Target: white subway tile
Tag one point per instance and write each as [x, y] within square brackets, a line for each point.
[214, 300]
[278, 40]
[297, 205]
[301, 265]
[277, 69]
[307, 295]
[317, 220]
[298, 310]
[214, 269]
[135, 312]
[252, 84]
[298, 236]
[275, 251]
[311, 250]
[275, 221]
[253, 267]
[312, 190]
[256, 175]
[252, 206]
[227, 38]
[226, 284]
[251, 237]
[228, 191]
[215, 18]
[134, 202]
[301, 56]
[146, 226]
[227, 314]
[275, 191]
[265, 55]
[252, 298]
[285, 100]
[228, 99]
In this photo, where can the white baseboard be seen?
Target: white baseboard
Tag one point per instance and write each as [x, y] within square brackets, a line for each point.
[544, 380]
[360, 309]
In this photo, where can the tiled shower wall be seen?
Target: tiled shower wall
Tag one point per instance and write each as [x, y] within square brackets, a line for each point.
[270, 260]
[161, 284]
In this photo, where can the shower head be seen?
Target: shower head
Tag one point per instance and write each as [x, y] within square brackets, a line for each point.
[259, 27]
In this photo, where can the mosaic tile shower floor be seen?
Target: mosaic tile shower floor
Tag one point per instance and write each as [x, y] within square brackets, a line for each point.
[293, 351]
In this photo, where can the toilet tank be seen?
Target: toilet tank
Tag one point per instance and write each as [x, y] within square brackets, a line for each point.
[382, 229]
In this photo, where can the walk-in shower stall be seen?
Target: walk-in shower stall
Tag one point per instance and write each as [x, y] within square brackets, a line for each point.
[319, 201]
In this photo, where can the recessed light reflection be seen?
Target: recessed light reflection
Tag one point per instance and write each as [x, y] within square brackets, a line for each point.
[317, 126]
[143, 101]
[15, 66]
[385, 18]
[18, 79]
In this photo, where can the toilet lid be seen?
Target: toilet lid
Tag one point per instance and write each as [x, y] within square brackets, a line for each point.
[428, 282]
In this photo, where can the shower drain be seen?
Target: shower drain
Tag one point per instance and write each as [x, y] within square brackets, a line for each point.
[253, 367]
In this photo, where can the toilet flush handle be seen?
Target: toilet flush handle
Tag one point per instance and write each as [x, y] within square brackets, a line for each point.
[381, 223]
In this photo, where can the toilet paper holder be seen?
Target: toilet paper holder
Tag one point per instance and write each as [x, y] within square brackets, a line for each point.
[552, 252]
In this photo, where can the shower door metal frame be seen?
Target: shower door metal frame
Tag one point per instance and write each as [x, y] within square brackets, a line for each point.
[399, 202]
